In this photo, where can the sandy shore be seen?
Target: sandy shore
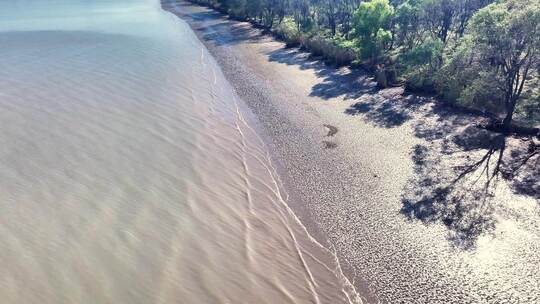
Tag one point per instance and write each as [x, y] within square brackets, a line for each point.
[358, 164]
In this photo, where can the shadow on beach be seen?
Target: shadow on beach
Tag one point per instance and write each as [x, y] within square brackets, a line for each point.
[457, 179]
[457, 171]
[222, 31]
[335, 82]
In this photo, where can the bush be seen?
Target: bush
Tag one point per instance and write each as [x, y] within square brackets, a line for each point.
[482, 94]
[332, 50]
[419, 66]
[288, 32]
[372, 23]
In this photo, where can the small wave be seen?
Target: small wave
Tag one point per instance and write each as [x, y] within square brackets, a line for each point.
[130, 174]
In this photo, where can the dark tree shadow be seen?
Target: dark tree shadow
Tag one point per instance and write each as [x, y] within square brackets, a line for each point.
[384, 114]
[334, 82]
[523, 173]
[230, 33]
[455, 183]
[386, 110]
[222, 32]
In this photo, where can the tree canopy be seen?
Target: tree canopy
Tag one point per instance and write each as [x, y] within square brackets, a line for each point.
[481, 54]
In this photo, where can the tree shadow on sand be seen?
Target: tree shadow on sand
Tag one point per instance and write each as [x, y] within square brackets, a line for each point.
[387, 108]
[460, 168]
[221, 31]
[457, 177]
[230, 32]
[334, 82]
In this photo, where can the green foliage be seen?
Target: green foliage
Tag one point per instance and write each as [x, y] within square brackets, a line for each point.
[482, 93]
[333, 50]
[372, 16]
[253, 7]
[482, 54]
[501, 56]
[288, 32]
[438, 16]
[428, 53]
[371, 28]
[237, 8]
[407, 22]
[453, 77]
[420, 64]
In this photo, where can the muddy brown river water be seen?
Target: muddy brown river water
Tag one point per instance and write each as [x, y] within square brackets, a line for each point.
[130, 171]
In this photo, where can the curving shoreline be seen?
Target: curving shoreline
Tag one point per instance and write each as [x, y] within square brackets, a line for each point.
[352, 194]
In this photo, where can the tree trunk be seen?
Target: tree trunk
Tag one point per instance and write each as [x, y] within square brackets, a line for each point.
[333, 26]
[510, 109]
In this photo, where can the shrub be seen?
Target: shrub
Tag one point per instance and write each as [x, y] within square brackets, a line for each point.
[288, 32]
[332, 50]
[372, 22]
[419, 65]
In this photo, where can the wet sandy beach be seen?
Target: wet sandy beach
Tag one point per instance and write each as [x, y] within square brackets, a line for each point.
[354, 161]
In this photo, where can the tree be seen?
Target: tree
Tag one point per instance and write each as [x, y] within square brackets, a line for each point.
[301, 11]
[505, 48]
[465, 10]
[408, 26]
[438, 16]
[236, 8]
[254, 9]
[371, 25]
[328, 11]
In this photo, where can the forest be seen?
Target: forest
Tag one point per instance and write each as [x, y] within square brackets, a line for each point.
[477, 54]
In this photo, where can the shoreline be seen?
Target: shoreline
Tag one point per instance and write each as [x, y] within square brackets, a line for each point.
[338, 144]
[292, 198]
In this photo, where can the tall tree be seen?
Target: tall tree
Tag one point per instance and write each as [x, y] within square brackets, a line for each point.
[464, 11]
[372, 24]
[502, 52]
[438, 16]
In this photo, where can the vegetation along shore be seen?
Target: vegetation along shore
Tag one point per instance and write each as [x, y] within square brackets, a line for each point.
[479, 54]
